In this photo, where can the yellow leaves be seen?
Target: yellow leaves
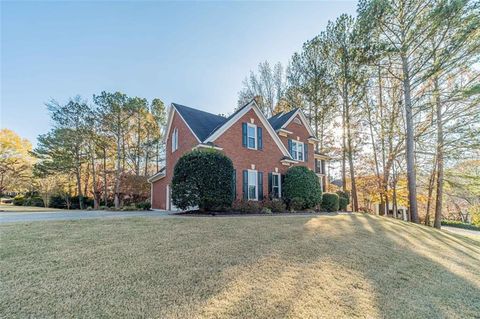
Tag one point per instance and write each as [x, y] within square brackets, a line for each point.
[15, 161]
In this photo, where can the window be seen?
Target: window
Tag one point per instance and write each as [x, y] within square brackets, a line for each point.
[297, 121]
[175, 140]
[297, 150]
[251, 136]
[252, 185]
[276, 185]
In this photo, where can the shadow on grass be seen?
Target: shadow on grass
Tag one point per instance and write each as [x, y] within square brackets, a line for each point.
[327, 266]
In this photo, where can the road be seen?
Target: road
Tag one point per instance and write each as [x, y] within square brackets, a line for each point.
[75, 215]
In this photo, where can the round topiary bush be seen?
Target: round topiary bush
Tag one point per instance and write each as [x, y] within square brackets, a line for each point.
[203, 178]
[344, 200]
[330, 202]
[342, 203]
[302, 183]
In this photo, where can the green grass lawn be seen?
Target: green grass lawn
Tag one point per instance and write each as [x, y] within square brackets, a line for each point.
[246, 267]
[9, 208]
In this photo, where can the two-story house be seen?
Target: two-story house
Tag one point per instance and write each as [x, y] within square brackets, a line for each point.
[261, 149]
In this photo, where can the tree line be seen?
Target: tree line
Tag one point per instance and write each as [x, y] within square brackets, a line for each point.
[393, 94]
[105, 149]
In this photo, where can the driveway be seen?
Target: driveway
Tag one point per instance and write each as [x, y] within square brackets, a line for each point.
[75, 215]
[462, 231]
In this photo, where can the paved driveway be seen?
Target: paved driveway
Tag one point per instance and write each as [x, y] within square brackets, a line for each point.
[74, 215]
[462, 231]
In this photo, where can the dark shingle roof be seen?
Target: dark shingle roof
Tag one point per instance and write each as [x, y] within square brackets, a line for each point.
[202, 123]
[278, 120]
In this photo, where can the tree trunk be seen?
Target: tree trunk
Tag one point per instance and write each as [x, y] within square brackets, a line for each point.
[431, 182]
[94, 181]
[410, 143]
[439, 199]
[105, 194]
[117, 174]
[350, 149]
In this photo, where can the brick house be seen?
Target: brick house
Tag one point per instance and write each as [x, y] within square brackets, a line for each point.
[261, 149]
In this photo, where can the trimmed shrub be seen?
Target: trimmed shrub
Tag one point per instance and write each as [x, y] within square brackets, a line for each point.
[33, 201]
[342, 203]
[344, 200]
[459, 224]
[143, 205]
[297, 204]
[276, 206]
[300, 182]
[330, 202]
[18, 200]
[203, 178]
[246, 206]
[57, 201]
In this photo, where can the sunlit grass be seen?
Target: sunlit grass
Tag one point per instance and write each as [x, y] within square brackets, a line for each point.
[10, 208]
[246, 267]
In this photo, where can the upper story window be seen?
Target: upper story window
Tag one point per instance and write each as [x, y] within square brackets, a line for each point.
[297, 121]
[175, 140]
[297, 150]
[251, 136]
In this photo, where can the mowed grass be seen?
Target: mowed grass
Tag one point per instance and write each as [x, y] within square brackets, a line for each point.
[244, 267]
[10, 208]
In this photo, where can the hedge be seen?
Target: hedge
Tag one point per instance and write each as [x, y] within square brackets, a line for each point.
[203, 178]
[458, 224]
[301, 188]
[344, 200]
[330, 202]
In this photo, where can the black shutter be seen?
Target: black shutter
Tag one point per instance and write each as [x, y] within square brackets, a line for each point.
[244, 134]
[259, 138]
[290, 147]
[305, 155]
[234, 184]
[270, 189]
[260, 185]
[245, 184]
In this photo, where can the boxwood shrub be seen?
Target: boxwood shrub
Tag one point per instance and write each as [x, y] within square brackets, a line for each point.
[203, 178]
[330, 202]
[301, 183]
[18, 200]
[343, 200]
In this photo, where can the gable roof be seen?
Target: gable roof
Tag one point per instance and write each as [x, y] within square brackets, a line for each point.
[252, 105]
[278, 120]
[201, 123]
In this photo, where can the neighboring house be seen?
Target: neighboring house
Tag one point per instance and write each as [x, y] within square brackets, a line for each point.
[261, 149]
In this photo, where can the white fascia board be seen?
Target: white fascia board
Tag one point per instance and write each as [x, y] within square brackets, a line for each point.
[170, 120]
[207, 146]
[266, 124]
[156, 177]
[303, 119]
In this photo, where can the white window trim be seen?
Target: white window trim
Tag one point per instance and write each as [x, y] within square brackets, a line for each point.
[175, 140]
[295, 155]
[279, 184]
[254, 135]
[256, 184]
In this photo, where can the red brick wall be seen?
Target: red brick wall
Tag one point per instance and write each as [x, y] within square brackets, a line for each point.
[265, 160]
[301, 134]
[186, 141]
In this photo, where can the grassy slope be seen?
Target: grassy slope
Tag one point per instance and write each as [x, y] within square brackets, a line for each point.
[298, 267]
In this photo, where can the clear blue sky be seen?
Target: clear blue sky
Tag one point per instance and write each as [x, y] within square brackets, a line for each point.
[193, 53]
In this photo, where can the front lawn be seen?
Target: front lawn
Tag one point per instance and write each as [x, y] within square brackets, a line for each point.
[247, 267]
[10, 208]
